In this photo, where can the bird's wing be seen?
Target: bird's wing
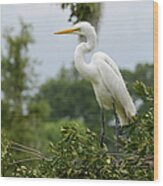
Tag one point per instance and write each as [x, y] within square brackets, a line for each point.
[107, 59]
[114, 83]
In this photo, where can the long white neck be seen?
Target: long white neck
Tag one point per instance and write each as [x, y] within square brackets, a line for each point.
[79, 56]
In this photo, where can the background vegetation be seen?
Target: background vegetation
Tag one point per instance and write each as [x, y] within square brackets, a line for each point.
[62, 118]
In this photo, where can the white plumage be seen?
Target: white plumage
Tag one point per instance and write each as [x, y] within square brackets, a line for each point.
[103, 73]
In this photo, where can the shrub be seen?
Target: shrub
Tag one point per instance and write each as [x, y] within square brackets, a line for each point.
[78, 154]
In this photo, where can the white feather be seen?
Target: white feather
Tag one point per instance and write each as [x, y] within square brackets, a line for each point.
[103, 73]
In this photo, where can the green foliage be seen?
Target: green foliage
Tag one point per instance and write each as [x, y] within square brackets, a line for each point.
[90, 12]
[146, 93]
[5, 154]
[38, 111]
[21, 116]
[77, 153]
[143, 73]
[59, 114]
[66, 100]
[137, 141]
[17, 74]
[52, 129]
[65, 95]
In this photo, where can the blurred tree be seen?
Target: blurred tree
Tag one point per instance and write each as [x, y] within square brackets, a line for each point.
[78, 154]
[65, 98]
[38, 111]
[143, 73]
[90, 12]
[21, 116]
[65, 94]
[17, 74]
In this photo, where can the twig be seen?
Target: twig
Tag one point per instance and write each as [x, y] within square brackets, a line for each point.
[24, 150]
[25, 147]
[24, 160]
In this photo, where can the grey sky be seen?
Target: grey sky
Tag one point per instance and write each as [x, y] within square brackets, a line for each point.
[126, 33]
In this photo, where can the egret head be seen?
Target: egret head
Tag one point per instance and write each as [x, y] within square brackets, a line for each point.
[81, 28]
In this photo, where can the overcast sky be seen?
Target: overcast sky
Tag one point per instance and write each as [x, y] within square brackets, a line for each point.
[126, 33]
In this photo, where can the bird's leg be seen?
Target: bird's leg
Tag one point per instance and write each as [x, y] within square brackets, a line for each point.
[102, 128]
[116, 126]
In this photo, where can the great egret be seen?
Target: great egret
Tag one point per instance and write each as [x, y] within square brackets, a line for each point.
[104, 75]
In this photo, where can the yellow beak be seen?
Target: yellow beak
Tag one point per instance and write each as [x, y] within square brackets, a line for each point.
[67, 31]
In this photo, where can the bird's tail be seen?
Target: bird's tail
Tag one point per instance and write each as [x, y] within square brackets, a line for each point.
[125, 116]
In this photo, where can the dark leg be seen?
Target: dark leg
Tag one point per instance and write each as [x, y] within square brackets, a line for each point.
[102, 128]
[116, 126]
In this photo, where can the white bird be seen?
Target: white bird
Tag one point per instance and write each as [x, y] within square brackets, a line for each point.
[104, 75]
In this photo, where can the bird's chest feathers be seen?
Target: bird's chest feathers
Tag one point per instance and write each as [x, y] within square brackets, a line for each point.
[103, 96]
